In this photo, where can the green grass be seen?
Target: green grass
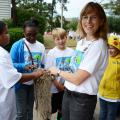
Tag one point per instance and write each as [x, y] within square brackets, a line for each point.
[49, 43]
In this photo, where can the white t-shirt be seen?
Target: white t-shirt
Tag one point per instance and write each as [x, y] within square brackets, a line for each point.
[38, 54]
[60, 59]
[8, 78]
[91, 56]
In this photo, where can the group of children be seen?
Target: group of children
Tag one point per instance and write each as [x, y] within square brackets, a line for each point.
[81, 74]
[9, 76]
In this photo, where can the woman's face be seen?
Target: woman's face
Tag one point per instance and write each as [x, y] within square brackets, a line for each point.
[30, 34]
[4, 37]
[91, 23]
[113, 51]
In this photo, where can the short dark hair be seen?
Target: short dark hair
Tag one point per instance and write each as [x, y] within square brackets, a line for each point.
[31, 23]
[2, 26]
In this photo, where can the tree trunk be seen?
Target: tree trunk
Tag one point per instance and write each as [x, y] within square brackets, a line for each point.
[13, 12]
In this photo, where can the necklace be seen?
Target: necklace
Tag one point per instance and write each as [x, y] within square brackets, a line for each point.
[86, 47]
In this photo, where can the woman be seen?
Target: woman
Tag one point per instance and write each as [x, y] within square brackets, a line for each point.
[87, 65]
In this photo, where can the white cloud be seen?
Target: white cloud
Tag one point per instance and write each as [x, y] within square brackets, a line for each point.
[74, 8]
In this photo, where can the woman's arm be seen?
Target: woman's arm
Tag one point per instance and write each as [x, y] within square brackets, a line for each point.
[76, 78]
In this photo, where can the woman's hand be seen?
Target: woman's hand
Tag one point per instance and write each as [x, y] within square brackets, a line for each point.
[53, 70]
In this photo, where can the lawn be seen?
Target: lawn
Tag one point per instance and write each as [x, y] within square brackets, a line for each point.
[49, 43]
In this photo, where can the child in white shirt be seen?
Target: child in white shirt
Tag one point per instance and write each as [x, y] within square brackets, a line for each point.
[60, 57]
[9, 77]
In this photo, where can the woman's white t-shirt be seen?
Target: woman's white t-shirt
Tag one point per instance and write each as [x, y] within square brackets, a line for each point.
[8, 78]
[91, 56]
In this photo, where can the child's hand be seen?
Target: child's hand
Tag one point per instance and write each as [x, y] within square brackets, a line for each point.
[30, 67]
[58, 85]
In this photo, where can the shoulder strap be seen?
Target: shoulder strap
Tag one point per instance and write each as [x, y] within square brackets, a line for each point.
[29, 53]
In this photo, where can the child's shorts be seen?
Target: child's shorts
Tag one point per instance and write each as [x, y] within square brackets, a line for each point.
[56, 101]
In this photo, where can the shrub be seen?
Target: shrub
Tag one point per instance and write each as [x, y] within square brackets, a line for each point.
[40, 38]
[9, 23]
[16, 34]
[72, 25]
[23, 15]
[114, 24]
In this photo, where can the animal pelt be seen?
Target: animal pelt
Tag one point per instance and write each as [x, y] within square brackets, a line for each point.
[43, 96]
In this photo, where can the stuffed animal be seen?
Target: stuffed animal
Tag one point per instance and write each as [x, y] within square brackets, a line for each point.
[43, 96]
[114, 40]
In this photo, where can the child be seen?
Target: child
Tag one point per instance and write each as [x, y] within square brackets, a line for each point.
[88, 65]
[27, 54]
[109, 88]
[60, 57]
[9, 77]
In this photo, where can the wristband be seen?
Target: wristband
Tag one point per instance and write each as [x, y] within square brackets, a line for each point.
[58, 73]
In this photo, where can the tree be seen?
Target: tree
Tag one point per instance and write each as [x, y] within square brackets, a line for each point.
[73, 24]
[113, 6]
[13, 12]
[57, 21]
[64, 4]
[51, 11]
[114, 23]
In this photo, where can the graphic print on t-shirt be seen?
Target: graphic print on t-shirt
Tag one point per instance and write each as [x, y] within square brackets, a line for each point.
[37, 57]
[63, 63]
[76, 60]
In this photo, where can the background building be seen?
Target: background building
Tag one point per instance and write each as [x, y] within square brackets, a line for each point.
[5, 9]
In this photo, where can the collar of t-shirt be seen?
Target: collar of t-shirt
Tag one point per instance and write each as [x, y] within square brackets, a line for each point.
[83, 44]
[28, 43]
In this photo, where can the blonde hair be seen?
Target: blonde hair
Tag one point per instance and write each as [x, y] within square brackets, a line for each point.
[59, 32]
[90, 7]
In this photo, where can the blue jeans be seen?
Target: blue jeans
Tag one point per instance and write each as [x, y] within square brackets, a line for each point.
[78, 106]
[108, 110]
[25, 102]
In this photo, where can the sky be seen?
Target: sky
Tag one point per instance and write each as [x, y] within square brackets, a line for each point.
[74, 7]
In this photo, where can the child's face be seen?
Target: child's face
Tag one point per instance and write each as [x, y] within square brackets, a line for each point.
[30, 34]
[60, 42]
[4, 37]
[113, 51]
[91, 23]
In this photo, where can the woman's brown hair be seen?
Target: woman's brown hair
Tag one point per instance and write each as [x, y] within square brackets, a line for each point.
[90, 7]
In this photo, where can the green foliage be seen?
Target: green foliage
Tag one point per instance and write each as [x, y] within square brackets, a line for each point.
[114, 24]
[41, 10]
[113, 6]
[40, 38]
[24, 15]
[57, 22]
[9, 23]
[64, 3]
[17, 33]
[73, 24]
